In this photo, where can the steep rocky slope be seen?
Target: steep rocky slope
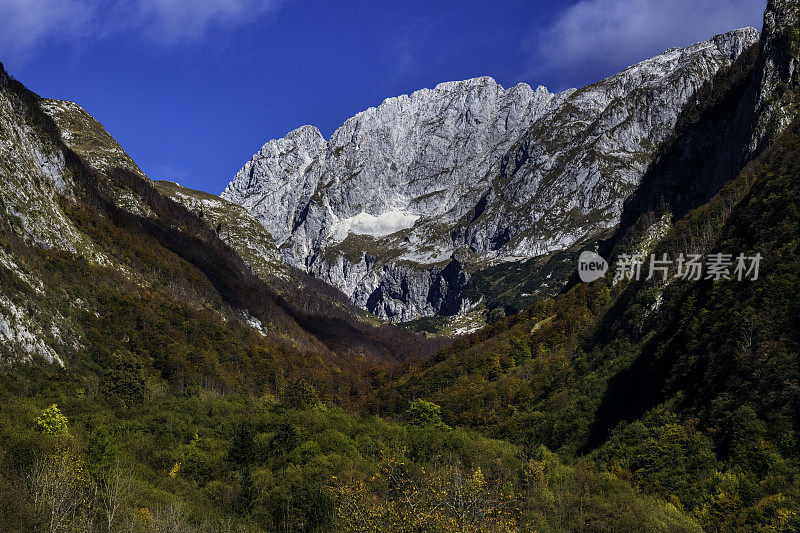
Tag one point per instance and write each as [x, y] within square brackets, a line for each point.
[779, 71]
[80, 218]
[35, 176]
[232, 223]
[87, 137]
[407, 201]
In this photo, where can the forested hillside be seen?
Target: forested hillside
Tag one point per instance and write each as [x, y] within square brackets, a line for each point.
[160, 371]
[688, 389]
[169, 388]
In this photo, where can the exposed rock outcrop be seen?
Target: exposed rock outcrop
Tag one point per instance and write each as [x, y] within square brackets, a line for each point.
[468, 168]
[779, 71]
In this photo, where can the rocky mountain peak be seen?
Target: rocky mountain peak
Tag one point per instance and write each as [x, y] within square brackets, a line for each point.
[468, 169]
[304, 132]
[734, 43]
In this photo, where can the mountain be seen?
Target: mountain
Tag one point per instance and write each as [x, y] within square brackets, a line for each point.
[161, 371]
[74, 202]
[163, 367]
[411, 204]
[687, 388]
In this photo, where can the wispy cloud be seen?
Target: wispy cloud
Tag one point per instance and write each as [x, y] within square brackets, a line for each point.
[173, 21]
[595, 38]
[406, 59]
[25, 25]
[406, 50]
[402, 58]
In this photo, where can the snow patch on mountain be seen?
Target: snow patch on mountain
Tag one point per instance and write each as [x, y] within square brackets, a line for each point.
[377, 226]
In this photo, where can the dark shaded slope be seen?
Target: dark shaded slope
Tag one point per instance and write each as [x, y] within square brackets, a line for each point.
[729, 122]
[739, 116]
[720, 346]
[710, 147]
[181, 232]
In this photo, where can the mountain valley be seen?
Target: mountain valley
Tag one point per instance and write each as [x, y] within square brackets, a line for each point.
[385, 330]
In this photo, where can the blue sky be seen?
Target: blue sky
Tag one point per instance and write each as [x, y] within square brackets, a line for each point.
[192, 88]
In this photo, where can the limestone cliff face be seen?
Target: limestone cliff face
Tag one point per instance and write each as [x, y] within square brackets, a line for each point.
[34, 176]
[779, 73]
[406, 199]
[274, 183]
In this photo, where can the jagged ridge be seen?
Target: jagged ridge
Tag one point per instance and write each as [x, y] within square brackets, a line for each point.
[407, 199]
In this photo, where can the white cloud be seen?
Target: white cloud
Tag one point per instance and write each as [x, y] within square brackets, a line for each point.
[600, 37]
[27, 24]
[172, 21]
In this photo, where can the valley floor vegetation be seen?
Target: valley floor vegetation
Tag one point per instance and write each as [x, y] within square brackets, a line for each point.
[197, 460]
[194, 396]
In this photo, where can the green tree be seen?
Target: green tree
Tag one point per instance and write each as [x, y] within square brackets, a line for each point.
[423, 413]
[101, 453]
[52, 422]
[124, 378]
[241, 454]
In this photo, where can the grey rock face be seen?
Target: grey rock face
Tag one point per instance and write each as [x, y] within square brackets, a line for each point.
[34, 175]
[570, 175]
[468, 170]
[780, 71]
[274, 183]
